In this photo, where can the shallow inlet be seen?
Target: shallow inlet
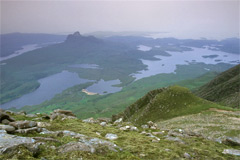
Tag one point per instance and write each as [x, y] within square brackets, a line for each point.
[49, 87]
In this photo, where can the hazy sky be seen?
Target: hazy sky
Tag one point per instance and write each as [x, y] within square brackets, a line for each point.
[199, 18]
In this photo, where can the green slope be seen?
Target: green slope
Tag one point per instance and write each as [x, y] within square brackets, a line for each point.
[106, 105]
[224, 89]
[165, 103]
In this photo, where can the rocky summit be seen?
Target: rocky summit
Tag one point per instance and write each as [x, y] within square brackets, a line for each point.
[60, 135]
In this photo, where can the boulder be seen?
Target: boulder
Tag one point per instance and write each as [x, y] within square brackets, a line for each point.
[175, 139]
[120, 120]
[234, 152]
[7, 128]
[186, 155]
[21, 113]
[65, 112]
[144, 126]
[234, 141]
[29, 130]
[43, 124]
[56, 115]
[5, 121]
[90, 120]
[91, 145]
[76, 146]
[31, 115]
[127, 128]
[103, 123]
[4, 115]
[111, 136]
[45, 139]
[9, 143]
[107, 120]
[23, 124]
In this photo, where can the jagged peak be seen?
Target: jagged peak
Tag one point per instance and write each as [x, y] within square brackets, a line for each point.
[76, 37]
[76, 34]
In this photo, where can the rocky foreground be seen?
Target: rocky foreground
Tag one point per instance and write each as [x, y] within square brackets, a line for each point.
[61, 135]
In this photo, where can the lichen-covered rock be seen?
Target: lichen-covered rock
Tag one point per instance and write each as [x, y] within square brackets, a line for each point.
[103, 123]
[31, 115]
[111, 136]
[8, 142]
[235, 152]
[76, 146]
[127, 128]
[29, 130]
[4, 115]
[107, 120]
[65, 112]
[21, 113]
[7, 128]
[23, 124]
[233, 141]
[5, 121]
[90, 120]
[43, 124]
[120, 120]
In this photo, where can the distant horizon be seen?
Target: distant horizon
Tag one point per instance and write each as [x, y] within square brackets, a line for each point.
[129, 33]
[183, 19]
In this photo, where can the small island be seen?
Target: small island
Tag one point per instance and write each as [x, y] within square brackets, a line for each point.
[88, 93]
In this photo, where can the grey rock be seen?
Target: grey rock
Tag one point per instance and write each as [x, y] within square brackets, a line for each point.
[103, 123]
[186, 155]
[73, 134]
[111, 136]
[4, 115]
[29, 130]
[9, 142]
[145, 126]
[175, 139]
[9, 112]
[23, 124]
[120, 120]
[127, 128]
[233, 141]
[98, 143]
[107, 120]
[31, 115]
[76, 146]
[157, 133]
[90, 120]
[65, 112]
[7, 128]
[89, 145]
[232, 152]
[5, 121]
[21, 113]
[45, 139]
[43, 124]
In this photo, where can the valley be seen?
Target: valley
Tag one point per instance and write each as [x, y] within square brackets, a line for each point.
[116, 74]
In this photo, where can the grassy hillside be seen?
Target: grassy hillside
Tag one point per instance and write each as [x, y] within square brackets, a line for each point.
[136, 145]
[85, 106]
[165, 103]
[224, 89]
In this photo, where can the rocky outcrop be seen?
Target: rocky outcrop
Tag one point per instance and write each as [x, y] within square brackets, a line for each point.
[234, 152]
[63, 114]
[9, 142]
[5, 116]
[234, 141]
[23, 124]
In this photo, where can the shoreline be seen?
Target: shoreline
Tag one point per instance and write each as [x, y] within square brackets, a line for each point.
[88, 93]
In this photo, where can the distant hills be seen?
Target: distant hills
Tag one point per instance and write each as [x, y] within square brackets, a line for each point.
[14, 41]
[224, 89]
